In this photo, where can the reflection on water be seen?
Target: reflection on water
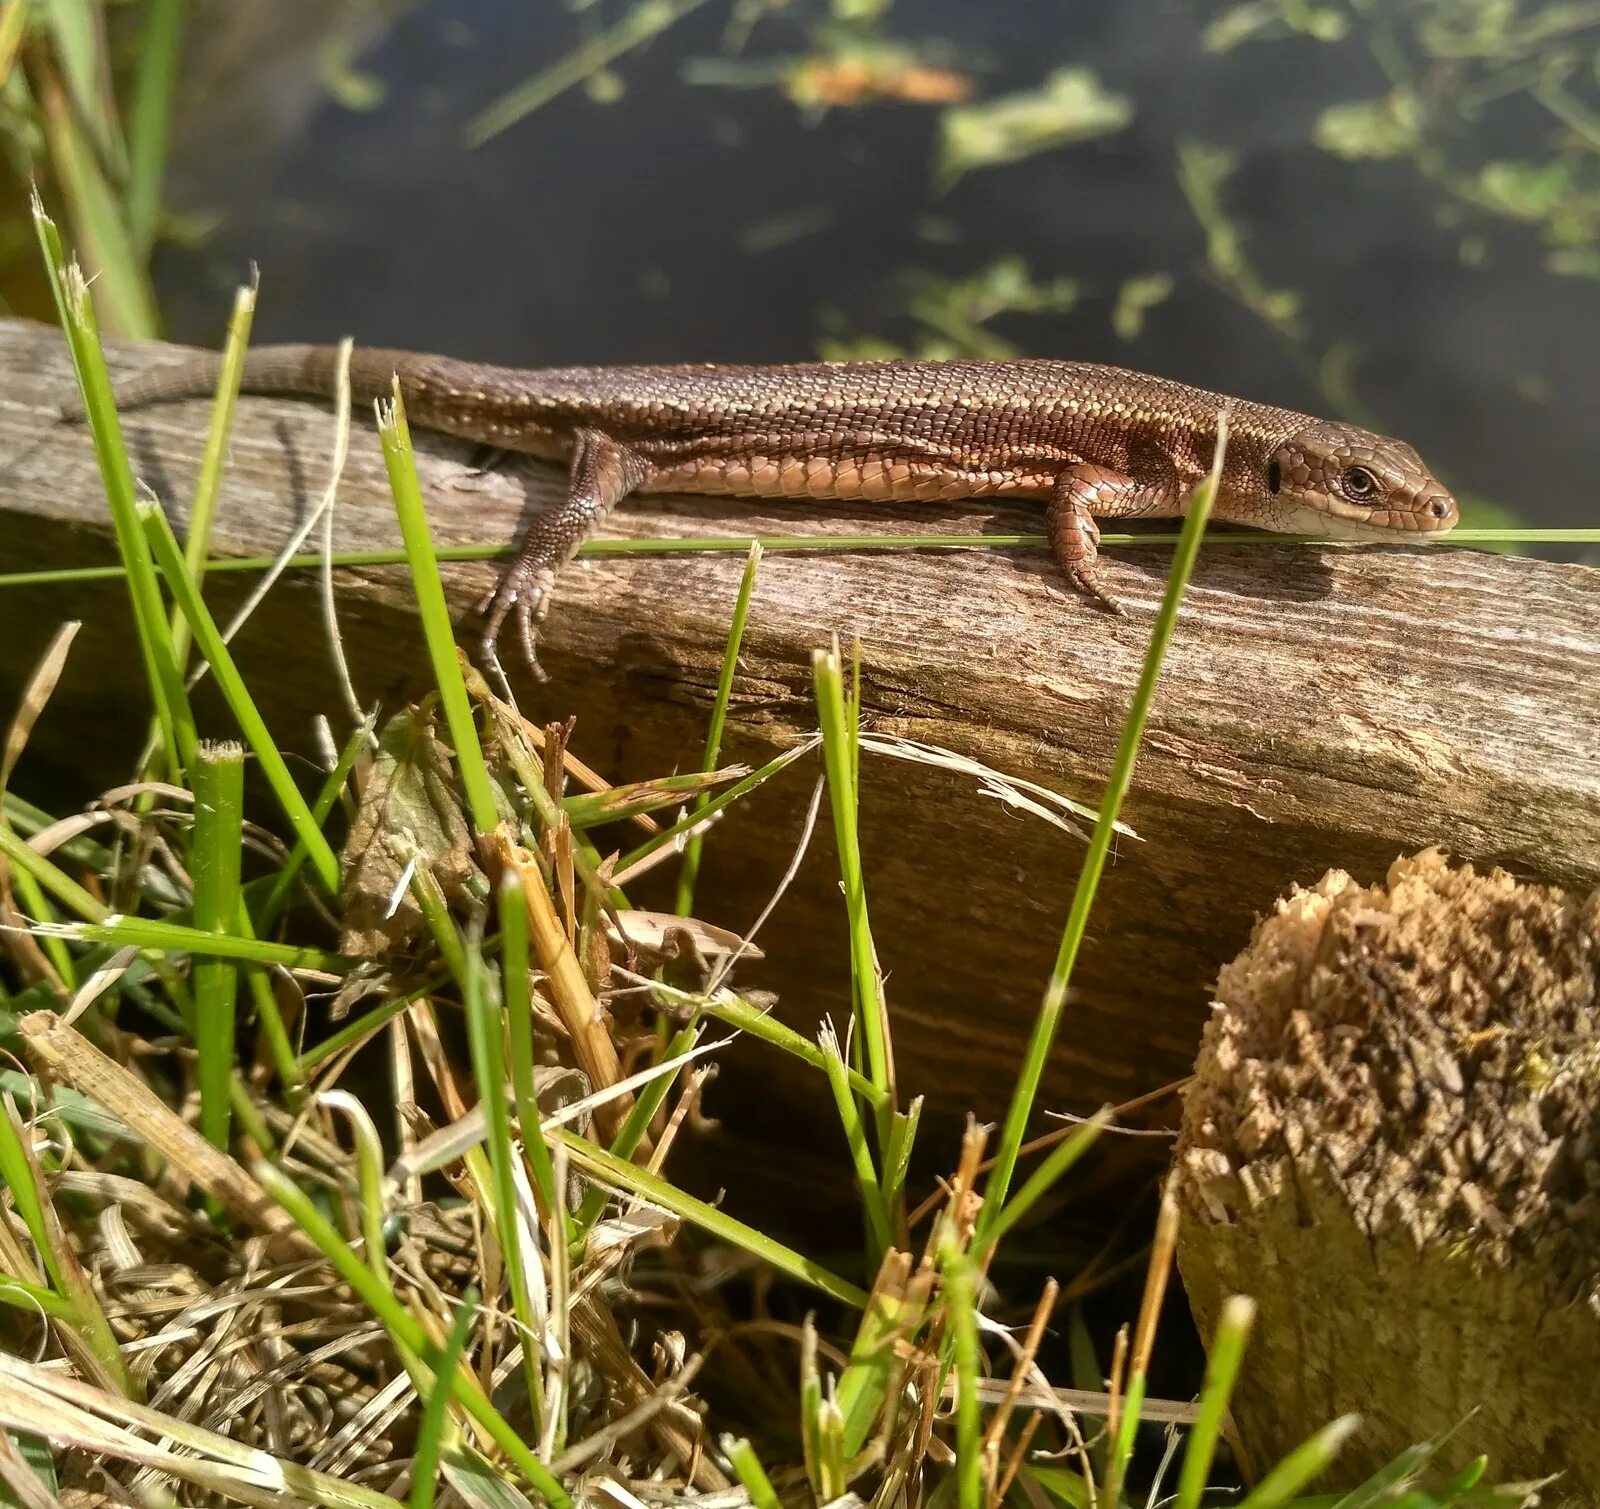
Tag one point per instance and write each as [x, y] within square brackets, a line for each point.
[1389, 212]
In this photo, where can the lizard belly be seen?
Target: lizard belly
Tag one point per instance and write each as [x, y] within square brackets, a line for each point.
[844, 479]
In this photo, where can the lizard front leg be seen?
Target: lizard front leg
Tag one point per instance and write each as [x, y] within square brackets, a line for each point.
[604, 472]
[1081, 493]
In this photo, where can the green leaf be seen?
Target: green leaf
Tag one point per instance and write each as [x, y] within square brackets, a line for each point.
[1364, 130]
[1135, 299]
[1064, 1487]
[1267, 20]
[1523, 190]
[1070, 106]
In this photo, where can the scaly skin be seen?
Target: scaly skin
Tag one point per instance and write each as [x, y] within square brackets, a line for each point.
[1091, 441]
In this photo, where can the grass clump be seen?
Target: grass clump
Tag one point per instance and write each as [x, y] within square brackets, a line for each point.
[262, 1283]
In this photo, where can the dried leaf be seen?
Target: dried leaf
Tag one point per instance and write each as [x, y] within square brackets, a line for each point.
[40, 686]
[409, 813]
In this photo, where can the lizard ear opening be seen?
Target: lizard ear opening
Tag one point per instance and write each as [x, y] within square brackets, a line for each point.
[1274, 475]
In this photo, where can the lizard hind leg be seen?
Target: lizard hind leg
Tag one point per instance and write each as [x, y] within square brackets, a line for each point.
[1080, 493]
[604, 472]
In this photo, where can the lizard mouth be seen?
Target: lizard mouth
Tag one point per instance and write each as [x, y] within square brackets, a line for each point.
[1339, 520]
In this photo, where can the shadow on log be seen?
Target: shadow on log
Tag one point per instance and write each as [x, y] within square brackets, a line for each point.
[1393, 1145]
[1321, 707]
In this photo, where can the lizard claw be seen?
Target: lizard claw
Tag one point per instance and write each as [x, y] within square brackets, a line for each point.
[1088, 581]
[526, 594]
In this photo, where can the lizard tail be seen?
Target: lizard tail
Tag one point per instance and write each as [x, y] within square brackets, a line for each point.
[292, 370]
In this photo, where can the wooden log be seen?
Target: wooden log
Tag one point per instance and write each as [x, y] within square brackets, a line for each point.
[1391, 1143]
[1321, 707]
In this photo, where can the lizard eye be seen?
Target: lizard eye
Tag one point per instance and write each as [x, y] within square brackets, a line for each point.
[1359, 484]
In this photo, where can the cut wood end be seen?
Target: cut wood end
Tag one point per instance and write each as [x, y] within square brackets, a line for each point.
[1443, 1025]
[1391, 1142]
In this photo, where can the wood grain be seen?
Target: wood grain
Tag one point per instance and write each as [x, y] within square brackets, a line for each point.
[1321, 707]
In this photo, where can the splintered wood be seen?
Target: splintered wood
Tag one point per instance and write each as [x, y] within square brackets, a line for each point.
[1391, 1144]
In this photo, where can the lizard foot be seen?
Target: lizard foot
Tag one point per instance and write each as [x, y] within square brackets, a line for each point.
[1087, 580]
[1080, 492]
[523, 592]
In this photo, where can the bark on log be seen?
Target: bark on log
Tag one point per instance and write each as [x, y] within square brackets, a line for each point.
[1321, 707]
[1392, 1144]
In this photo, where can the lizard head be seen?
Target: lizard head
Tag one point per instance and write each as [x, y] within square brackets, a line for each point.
[1339, 480]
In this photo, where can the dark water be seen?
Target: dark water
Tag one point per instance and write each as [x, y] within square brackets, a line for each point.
[687, 219]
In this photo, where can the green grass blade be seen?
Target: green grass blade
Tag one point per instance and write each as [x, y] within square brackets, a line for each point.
[56, 881]
[369, 1179]
[886, 1323]
[1094, 861]
[637, 1122]
[435, 907]
[149, 117]
[215, 860]
[1389, 1482]
[631, 1178]
[34, 1298]
[367, 1024]
[485, 1039]
[800, 544]
[163, 937]
[437, 629]
[321, 810]
[719, 803]
[36, 905]
[88, 1322]
[164, 546]
[740, 1014]
[159, 888]
[839, 759]
[269, 1020]
[741, 1454]
[78, 42]
[855, 1132]
[516, 989]
[810, 1406]
[121, 282]
[961, 1313]
[897, 1161]
[689, 873]
[831, 1475]
[425, 1453]
[171, 702]
[16, 1170]
[593, 809]
[1302, 1464]
[1062, 1486]
[1127, 1431]
[40, 687]
[208, 486]
[1222, 1371]
[1044, 1178]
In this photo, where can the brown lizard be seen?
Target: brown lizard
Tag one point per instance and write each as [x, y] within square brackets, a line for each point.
[1091, 441]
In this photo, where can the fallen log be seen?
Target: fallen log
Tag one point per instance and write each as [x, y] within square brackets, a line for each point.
[1321, 707]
